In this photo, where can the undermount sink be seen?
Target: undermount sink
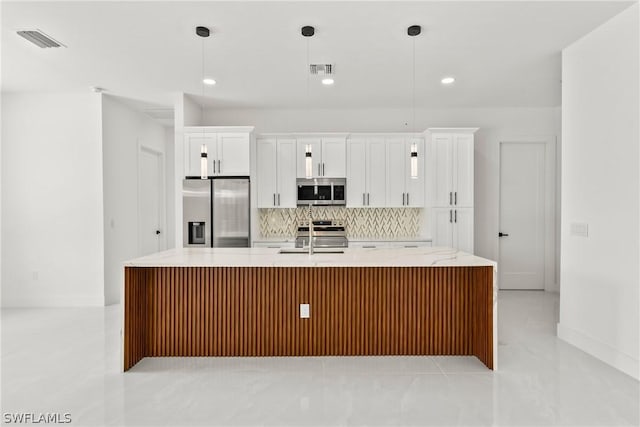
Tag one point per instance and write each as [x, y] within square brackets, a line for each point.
[306, 251]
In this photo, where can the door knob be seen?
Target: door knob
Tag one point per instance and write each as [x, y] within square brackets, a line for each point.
[157, 231]
[501, 234]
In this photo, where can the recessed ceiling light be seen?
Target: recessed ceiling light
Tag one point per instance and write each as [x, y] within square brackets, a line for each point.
[327, 81]
[447, 80]
[209, 81]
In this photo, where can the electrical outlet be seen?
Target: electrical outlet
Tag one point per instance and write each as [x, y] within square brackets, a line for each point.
[304, 311]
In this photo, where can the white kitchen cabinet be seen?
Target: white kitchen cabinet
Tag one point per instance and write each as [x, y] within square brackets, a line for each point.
[451, 187]
[402, 189]
[366, 172]
[328, 156]
[452, 168]
[227, 151]
[276, 172]
[453, 227]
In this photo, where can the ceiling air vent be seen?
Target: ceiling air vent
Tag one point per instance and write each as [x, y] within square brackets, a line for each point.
[39, 38]
[322, 69]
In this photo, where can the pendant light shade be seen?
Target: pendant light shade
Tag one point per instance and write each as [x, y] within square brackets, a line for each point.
[414, 161]
[308, 162]
[204, 173]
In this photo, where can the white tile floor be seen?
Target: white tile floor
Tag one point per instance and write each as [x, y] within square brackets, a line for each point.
[67, 360]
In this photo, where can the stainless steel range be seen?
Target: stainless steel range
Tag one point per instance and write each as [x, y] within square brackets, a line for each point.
[326, 234]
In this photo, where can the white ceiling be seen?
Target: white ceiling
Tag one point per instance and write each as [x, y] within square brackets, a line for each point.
[503, 54]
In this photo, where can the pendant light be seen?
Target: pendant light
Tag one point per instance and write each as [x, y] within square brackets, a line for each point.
[413, 31]
[308, 31]
[203, 33]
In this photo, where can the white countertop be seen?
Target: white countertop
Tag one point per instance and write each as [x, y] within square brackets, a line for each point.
[269, 257]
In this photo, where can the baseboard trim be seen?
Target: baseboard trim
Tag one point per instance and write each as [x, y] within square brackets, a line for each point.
[52, 301]
[600, 350]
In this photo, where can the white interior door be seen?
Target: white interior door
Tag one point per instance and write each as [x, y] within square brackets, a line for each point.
[150, 201]
[522, 216]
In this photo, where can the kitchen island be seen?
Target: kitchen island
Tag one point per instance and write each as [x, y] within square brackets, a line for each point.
[249, 302]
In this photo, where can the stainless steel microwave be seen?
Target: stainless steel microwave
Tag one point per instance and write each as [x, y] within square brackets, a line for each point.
[322, 191]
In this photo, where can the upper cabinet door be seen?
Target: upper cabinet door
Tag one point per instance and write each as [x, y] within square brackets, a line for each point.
[193, 146]
[442, 169]
[463, 170]
[233, 155]
[415, 186]
[316, 156]
[376, 196]
[396, 158]
[334, 158]
[357, 173]
[266, 172]
[286, 195]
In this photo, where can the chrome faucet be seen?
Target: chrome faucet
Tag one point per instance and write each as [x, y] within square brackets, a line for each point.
[310, 231]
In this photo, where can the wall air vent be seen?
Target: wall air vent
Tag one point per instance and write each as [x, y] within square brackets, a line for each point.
[39, 38]
[321, 69]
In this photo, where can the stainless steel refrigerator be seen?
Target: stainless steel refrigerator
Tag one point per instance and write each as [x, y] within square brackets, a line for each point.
[215, 213]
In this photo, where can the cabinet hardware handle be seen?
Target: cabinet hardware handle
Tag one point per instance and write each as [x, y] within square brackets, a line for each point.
[410, 246]
[368, 247]
[219, 168]
[455, 216]
[363, 202]
[318, 169]
[407, 199]
[455, 198]
[450, 196]
[323, 169]
[278, 199]
[368, 199]
[214, 167]
[402, 199]
[450, 216]
[274, 199]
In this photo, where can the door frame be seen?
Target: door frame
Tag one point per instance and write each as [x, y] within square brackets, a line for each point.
[161, 200]
[551, 217]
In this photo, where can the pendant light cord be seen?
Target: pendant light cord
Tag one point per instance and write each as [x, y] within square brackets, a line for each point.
[202, 82]
[307, 72]
[413, 98]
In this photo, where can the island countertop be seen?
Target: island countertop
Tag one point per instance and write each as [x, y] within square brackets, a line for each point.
[352, 257]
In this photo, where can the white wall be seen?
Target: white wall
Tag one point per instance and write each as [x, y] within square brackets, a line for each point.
[52, 236]
[496, 124]
[600, 281]
[124, 130]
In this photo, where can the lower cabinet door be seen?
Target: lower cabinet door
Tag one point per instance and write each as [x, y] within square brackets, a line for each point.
[442, 220]
[463, 229]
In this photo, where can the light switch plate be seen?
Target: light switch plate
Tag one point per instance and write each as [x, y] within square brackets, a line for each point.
[304, 311]
[580, 229]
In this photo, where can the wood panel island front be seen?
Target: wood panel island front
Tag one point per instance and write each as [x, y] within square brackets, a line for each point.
[247, 302]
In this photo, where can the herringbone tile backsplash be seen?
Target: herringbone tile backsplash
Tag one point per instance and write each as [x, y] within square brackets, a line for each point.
[387, 223]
